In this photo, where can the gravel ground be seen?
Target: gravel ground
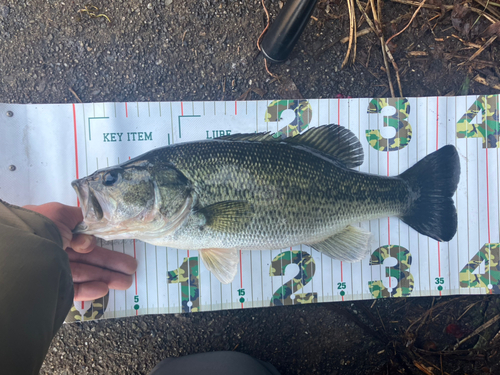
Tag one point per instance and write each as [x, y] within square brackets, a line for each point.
[206, 50]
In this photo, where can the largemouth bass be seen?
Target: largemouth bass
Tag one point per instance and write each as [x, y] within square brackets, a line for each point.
[256, 192]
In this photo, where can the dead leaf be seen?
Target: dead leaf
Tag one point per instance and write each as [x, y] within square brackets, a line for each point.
[460, 18]
[493, 29]
[256, 90]
[288, 90]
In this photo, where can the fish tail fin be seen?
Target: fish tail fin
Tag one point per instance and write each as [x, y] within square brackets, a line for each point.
[432, 183]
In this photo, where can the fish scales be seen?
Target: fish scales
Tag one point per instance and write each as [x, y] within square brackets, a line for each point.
[295, 196]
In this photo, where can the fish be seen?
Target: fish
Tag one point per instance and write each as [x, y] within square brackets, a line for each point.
[257, 192]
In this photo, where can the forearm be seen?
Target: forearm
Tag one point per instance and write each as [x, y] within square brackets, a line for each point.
[36, 288]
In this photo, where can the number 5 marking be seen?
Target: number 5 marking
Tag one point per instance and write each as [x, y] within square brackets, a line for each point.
[307, 267]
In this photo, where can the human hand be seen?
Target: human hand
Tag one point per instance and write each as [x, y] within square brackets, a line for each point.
[95, 270]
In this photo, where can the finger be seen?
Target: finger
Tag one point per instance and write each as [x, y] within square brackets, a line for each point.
[68, 216]
[90, 291]
[71, 215]
[104, 258]
[83, 243]
[83, 273]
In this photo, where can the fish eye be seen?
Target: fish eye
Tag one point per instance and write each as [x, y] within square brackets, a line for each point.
[111, 177]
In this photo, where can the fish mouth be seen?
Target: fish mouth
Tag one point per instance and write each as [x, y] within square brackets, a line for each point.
[91, 208]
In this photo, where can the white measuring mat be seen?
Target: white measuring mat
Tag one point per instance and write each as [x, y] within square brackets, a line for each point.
[51, 145]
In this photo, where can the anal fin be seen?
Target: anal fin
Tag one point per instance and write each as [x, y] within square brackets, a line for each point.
[223, 263]
[349, 245]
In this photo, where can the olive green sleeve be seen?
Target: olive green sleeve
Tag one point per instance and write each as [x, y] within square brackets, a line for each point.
[36, 288]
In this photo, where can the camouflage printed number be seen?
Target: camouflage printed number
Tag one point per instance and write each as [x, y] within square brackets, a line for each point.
[303, 114]
[188, 276]
[490, 254]
[307, 267]
[401, 272]
[397, 121]
[488, 128]
[95, 311]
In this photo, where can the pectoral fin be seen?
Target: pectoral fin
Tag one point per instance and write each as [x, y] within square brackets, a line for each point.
[223, 263]
[228, 215]
[350, 245]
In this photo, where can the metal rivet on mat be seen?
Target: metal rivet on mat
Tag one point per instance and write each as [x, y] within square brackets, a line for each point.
[10, 113]
[12, 168]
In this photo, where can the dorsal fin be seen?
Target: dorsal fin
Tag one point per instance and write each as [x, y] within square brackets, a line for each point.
[256, 137]
[334, 141]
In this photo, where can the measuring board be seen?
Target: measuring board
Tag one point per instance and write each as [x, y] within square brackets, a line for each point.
[51, 145]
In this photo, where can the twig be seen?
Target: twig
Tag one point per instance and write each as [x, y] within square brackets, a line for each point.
[89, 9]
[362, 18]
[447, 8]
[483, 81]
[492, 11]
[368, 20]
[416, 4]
[479, 330]
[376, 19]
[432, 364]
[369, 55]
[396, 69]
[418, 54]
[409, 23]
[352, 33]
[433, 18]
[467, 309]
[355, 30]
[378, 32]
[483, 47]
[422, 368]
[381, 321]
[269, 72]
[260, 38]
[481, 13]
[74, 93]
[468, 44]
[358, 34]
[267, 26]
[428, 312]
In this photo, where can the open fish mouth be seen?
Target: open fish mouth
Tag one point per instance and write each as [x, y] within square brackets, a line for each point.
[91, 208]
